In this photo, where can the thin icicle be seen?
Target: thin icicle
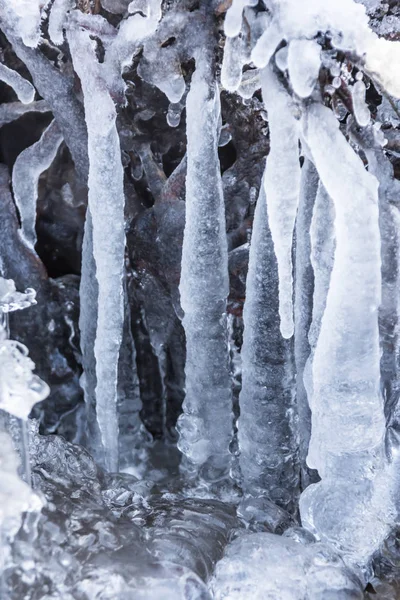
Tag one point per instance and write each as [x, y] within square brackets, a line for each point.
[205, 427]
[361, 111]
[304, 289]
[282, 185]
[106, 203]
[268, 439]
[21, 86]
[28, 167]
[348, 423]
[10, 111]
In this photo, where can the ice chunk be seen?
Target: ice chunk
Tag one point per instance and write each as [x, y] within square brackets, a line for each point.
[282, 185]
[360, 108]
[264, 565]
[28, 167]
[22, 87]
[268, 437]
[303, 64]
[205, 427]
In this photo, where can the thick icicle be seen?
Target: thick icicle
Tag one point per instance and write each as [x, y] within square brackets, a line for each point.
[304, 289]
[268, 439]
[21, 86]
[304, 62]
[233, 18]
[282, 184]
[348, 423]
[106, 203]
[205, 427]
[28, 167]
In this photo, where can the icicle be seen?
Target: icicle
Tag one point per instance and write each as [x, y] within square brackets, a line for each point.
[106, 203]
[268, 438]
[57, 19]
[28, 167]
[360, 108]
[21, 86]
[10, 111]
[304, 288]
[233, 18]
[249, 84]
[303, 63]
[348, 423]
[266, 45]
[235, 56]
[205, 427]
[282, 183]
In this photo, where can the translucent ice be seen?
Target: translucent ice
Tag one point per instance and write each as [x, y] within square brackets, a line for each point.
[22, 87]
[304, 63]
[106, 203]
[282, 185]
[28, 167]
[268, 438]
[205, 427]
[361, 111]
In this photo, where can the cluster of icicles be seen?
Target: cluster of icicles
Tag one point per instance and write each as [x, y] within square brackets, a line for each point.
[327, 413]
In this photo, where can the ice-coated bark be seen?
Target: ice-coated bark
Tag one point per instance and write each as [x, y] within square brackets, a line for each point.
[106, 203]
[361, 111]
[13, 110]
[21, 86]
[282, 186]
[28, 167]
[348, 423]
[268, 438]
[304, 62]
[205, 427]
[304, 289]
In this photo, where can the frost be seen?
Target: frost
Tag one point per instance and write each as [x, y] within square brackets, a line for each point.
[23, 88]
[282, 184]
[57, 19]
[28, 167]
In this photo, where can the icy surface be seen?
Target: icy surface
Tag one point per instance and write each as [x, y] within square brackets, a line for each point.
[28, 167]
[282, 185]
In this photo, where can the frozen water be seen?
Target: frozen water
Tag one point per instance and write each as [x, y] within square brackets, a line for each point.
[28, 167]
[361, 111]
[205, 427]
[303, 64]
[268, 437]
[282, 186]
[22, 87]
